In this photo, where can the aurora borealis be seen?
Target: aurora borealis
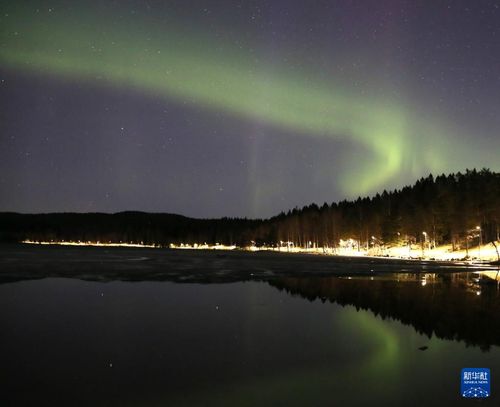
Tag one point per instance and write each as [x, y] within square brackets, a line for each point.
[240, 109]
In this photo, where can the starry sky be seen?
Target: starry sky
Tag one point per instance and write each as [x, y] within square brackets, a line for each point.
[240, 108]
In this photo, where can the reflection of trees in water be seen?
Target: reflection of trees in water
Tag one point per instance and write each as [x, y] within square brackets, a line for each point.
[460, 307]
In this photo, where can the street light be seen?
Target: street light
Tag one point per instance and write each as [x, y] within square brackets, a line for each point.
[425, 241]
[480, 240]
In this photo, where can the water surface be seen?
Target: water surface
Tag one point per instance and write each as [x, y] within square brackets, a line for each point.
[196, 334]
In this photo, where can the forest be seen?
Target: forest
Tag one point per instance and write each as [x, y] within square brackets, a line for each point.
[457, 209]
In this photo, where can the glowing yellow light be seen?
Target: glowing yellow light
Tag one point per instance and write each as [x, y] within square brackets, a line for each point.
[88, 243]
[348, 247]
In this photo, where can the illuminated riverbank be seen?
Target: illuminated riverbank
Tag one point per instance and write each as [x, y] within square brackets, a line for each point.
[79, 243]
[414, 252]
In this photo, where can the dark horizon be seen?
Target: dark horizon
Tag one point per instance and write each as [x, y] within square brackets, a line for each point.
[457, 209]
[283, 211]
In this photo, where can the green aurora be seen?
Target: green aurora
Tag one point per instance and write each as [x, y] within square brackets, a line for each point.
[216, 75]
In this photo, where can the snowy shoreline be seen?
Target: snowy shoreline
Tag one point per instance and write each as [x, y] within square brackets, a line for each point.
[485, 254]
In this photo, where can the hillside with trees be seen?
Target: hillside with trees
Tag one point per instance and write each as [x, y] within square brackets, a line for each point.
[444, 209]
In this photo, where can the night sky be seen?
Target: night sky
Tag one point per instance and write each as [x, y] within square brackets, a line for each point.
[229, 108]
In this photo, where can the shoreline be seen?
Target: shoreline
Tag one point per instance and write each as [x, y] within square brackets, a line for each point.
[484, 255]
[28, 262]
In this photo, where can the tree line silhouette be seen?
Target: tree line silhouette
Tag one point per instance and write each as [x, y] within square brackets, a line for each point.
[460, 209]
